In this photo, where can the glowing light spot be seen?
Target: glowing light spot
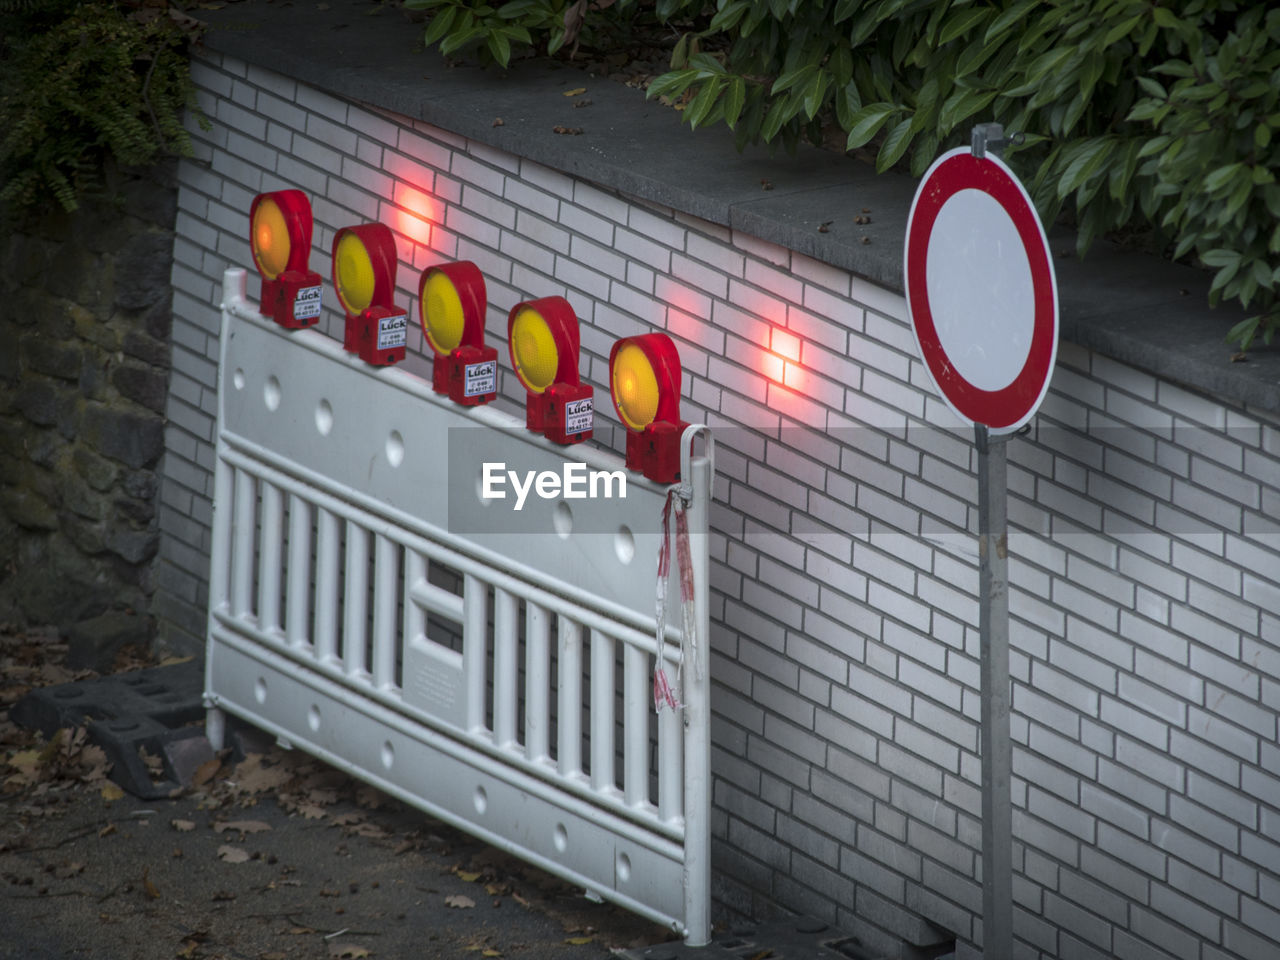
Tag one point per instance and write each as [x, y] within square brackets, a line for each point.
[786, 344]
[772, 366]
[795, 377]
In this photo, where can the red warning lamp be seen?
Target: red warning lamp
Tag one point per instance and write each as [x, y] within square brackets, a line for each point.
[543, 338]
[280, 238]
[451, 303]
[644, 379]
[364, 276]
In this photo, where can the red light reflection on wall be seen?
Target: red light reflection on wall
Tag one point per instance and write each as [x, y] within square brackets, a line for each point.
[414, 214]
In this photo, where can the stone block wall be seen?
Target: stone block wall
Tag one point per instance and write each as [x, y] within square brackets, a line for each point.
[83, 387]
[1145, 551]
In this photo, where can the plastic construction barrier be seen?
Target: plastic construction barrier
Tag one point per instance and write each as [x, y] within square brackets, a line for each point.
[373, 604]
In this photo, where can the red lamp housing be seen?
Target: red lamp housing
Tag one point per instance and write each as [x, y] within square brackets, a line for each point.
[543, 339]
[280, 239]
[644, 381]
[451, 305]
[364, 276]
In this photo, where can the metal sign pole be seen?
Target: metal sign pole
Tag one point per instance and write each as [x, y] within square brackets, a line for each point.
[993, 631]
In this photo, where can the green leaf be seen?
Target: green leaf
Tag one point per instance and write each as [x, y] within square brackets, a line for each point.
[1083, 165]
[439, 25]
[894, 146]
[1014, 15]
[1120, 30]
[792, 77]
[867, 123]
[517, 8]
[735, 97]
[702, 102]
[680, 53]
[961, 105]
[815, 93]
[671, 84]
[961, 23]
[1219, 178]
[500, 47]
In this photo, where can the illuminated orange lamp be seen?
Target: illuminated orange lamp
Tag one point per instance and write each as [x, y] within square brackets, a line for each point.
[644, 379]
[364, 276]
[280, 238]
[451, 303]
[543, 338]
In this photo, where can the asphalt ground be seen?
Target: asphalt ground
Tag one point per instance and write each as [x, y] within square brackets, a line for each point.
[273, 856]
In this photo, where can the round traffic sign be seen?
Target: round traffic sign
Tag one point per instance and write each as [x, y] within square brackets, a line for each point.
[981, 292]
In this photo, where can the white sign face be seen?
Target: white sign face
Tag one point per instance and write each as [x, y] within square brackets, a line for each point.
[981, 290]
[977, 270]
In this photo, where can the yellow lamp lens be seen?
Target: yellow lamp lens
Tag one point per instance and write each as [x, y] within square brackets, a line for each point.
[533, 350]
[443, 319]
[354, 280]
[635, 387]
[270, 239]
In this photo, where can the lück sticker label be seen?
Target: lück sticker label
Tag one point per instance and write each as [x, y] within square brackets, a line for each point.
[393, 331]
[480, 378]
[306, 305]
[579, 415]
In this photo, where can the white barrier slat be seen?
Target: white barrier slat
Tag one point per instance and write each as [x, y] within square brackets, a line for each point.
[635, 729]
[325, 629]
[569, 700]
[506, 668]
[355, 606]
[602, 713]
[298, 599]
[386, 574]
[269, 544]
[537, 682]
[244, 516]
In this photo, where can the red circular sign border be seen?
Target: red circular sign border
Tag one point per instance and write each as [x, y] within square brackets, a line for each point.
[952, 172]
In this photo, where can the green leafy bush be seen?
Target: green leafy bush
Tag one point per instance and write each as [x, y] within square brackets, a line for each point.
[80, 81]
[1155, 120]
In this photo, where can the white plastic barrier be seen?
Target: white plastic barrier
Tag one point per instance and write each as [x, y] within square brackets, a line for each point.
[498, 679]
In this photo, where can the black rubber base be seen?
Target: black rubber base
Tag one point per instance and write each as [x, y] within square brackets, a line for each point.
[160, 708]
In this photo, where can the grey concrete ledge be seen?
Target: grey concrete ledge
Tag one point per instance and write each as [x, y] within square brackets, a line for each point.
[1137, 309]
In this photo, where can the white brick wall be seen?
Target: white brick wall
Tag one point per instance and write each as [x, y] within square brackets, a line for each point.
[1145, 562]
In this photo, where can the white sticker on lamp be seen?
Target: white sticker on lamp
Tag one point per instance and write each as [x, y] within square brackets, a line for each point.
[393, 331]
[306, 306]
[480, 378]
[579, 416]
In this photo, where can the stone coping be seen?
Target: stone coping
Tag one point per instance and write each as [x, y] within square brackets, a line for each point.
[1135, 308]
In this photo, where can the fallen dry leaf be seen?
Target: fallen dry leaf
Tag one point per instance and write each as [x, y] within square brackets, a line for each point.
[498, 122]
[188, 949]
[107, 831]
[183, 826]
[570, 131]
[232, 854]
[575, 92]
[578, 941]
[467, 875]
[242, 826]
[459, 901]
[148, 886]
[347, 951]
[111, 792]
[205, 772]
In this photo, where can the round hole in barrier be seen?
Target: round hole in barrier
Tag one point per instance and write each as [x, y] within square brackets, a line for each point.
[623, 868]
[624, 544]
[481, 800]
[561, 838]
[271, 393]
[237, 379]
[324, 417]
[313, 717]
[562, 520]
[388, 754]
[260, 690]
[395, 448]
